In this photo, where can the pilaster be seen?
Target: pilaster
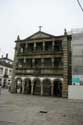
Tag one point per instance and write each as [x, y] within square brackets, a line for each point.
[42, 62]
[34, 46]
[43, 46]
[26, 46]
[52, 86]
[24, 60]
[32, 84]
[23, 87]
[52, 62]
[65, 83]
[33, 62]
[53, 45]
[41, 88]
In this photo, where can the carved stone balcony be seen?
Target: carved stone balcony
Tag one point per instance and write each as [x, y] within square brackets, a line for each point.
[25, 67]
[46, 52]
[40, 71]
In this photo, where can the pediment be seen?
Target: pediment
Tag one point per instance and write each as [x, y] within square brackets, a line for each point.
[40, 35]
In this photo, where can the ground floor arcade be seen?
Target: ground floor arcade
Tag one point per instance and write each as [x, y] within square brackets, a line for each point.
[39, 86]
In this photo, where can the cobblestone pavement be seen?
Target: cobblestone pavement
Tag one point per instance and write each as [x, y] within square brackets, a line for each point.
[16, 109]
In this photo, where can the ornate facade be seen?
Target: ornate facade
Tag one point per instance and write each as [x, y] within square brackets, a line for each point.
[42, 65]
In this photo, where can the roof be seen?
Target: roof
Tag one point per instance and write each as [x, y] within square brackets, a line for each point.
[4, 58]
[40, 35]
[3, 63]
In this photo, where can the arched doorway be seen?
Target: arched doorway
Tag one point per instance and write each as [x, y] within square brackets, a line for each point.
[27, 86]
[37, 86]
[18, 82]
[57, 90]
[46, 87]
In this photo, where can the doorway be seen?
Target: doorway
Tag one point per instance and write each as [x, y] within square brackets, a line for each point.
[27, 86]
[57, 90]
[37, 86]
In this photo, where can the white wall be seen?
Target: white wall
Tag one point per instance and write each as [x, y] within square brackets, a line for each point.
[75, 92]
[77, 52]
[9, 75]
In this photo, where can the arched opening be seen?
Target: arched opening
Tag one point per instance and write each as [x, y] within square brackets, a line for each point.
[57, 90]
[27, 86]
[46, 87]
[18, 82]
[37, 86]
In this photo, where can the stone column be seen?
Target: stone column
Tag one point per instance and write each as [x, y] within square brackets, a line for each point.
[41, 88]
[52, 62]
[33, 62]
[52, 87]
[34, 46]
[32, 84]
[43, 46]
[26, 47]
[24, 60]
[21, 50]
[23, 87]
[42, 62]
[53, 45]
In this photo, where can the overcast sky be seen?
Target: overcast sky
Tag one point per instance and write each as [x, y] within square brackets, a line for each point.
[22, 17]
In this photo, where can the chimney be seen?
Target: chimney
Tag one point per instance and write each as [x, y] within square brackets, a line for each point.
[6, 55]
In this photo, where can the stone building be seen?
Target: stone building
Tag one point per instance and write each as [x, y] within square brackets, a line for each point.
[5, 71]
[42, 65]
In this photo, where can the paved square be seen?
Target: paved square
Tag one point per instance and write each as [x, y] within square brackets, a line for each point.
[16, 109]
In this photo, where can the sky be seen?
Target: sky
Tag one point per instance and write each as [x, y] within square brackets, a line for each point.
[22, 17]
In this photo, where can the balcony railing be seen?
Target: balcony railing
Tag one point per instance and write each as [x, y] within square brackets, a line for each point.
[39, 67]
[46, 52]
[40, 72]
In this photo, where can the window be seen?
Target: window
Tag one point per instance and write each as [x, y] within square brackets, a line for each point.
[58, 62]
[47, 62]
[39, 46]
[1, 70]
[48, 46]
[58, 46]
[6, 71]
[10, 72]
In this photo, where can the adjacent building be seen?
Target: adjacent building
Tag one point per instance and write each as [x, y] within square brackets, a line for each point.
[77, 56]
[5, 71]
[42, 65]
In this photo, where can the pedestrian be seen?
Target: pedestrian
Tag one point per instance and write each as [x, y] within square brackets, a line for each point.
[0, 88]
